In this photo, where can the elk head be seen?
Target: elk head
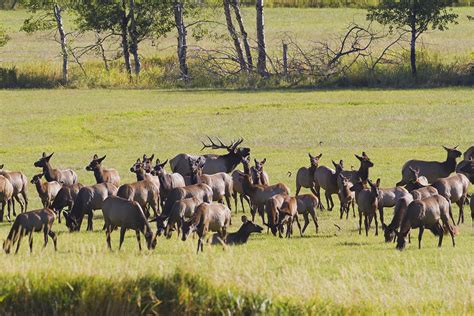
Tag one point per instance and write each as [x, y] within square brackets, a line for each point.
[40, 163]
[365, 160]
[159, 168]
[453, 153]
[37, 178]
[147, 163]
[95, 163]
[314, 160]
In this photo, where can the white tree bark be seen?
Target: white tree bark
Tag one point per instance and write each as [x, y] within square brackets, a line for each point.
[62, 39]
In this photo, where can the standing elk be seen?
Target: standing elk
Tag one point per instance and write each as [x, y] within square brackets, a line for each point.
[239, 237]
[6, 195]
[168, 181]
[119, 212]
[432, 170]
[208, 217]
[182, 210]
[305, 176]
[271, 208]
[47, 191]
[388, 198]
[288, 214]
[367, 202]
[67, 176]
[27, 223]
[346, 196]
[426, 213]
[307, 204]
[237, 189]
[212, 163]
[65, 198]
[102, 174]
[259, 176]
[138, 168]
[19, 183]
[400, 208]
[454, 189]
[89, 198]
[145, 192]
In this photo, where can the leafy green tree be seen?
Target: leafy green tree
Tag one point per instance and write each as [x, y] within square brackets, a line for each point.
[3, 36]
[414, 17]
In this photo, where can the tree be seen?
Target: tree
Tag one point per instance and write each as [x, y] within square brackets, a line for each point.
[3, 36]
[262, 53]
[414, 17]
[234, 35]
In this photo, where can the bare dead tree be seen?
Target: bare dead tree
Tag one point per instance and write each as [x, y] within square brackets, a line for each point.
[262, 53]
[233, 35]
[62, 39]
[134, 37]
[182, 42]
[240, 21]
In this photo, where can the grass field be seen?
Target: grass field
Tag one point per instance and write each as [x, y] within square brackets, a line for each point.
[332, 272]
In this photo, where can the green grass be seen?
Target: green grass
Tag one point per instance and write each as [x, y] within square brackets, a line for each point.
[332, 272]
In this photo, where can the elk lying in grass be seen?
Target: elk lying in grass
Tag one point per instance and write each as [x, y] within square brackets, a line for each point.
[389, 197]
[346, 196]
[102, 174]
[432, 170]
[399, 211]
[454, 189]
[47, 191]
[182, 210]
[19, 183]
[239, 237]
[432, 213]
[259, 176]
[119, 212]
[212, 163]
[258, 193]
[168, 181]
[367, 202]
[65, 198]
[288, 214]
[208, 217]
[27, 223]
[145, 192]
[307, 204]
[305, 176]
[66, 176]
[88, 199]
[6, 194]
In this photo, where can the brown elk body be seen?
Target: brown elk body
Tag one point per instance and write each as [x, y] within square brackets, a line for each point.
[346, 196]
[454, 189]
[65, 198]
[19, 183]
[237, 189]
[120, 212]
[88, 199]
[307, 204]
[145, 192]
[27, 223]
[305, 176]
[367, 202]
[47, 191]
[432, 213]
[208, 217]
[182, 210]
[102, 174]
[66, 176]
[6, 194]
[399, 211]
[432, 170]
[259, 176]
[388, 198]
[239, 237]
[168, 181]
[288, 214]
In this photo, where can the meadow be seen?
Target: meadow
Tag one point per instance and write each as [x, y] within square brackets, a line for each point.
[333, 272]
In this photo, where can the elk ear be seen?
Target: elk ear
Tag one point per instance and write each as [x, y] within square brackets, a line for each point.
[95, 157]
[244, 219]
[164, 163]
[364, 155]
[1, 166]
[319, 156]
[152, 157]
[341, 162]
[102, 159]
[358, 157]
[138, 161]
[377, 183]
[334, 164]
[263, 161]
[384, 227]
[144, 157]
[310, 157]
[445, 148]
[256, 161]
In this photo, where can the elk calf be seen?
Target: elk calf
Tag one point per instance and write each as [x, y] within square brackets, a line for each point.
[258, 174]
[119, 212]
[239, 237]
[307, 204]
[288, 214]
[182, 210]
[47, 191]
[27, 223]
[367, 201]
[346, 196]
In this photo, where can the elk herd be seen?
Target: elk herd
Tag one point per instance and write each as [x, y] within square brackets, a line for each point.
[195, 197]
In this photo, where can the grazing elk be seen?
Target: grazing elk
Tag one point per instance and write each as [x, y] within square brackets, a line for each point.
[426, 213]
[389, 197]
[182, 210]
[120, 212]
[259, 176]
[6, 195]
[239, 237]
[102, 174]
[307, 204]
[208, 217]
[47, 191]
[65, 198]
[19, 183]
[168, 181]
[27, 223]
[271, 208]
[67, 176]
[212, 163]
[346, 196]
[367, 202]
[400, 208]
[88, 199]
[288, 214]
[432, 170]
[454, 189]
[258, 193]
[145, 192]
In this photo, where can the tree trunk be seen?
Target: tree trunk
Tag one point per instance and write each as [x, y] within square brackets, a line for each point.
[134, 38]
[233, 34]
[285, 59]
[124, 34]
[182, 45]
[238, 16]
[413, 44]
[62, 40]
[262, 54]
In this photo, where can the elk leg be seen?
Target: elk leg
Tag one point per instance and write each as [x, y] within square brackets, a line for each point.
[138, 240]
[227, 200]
[376, 224]
[13, 204]
[316, 191]
[381, 215]
[234, 196]
[341, 210]
[2, 212]
[460, 203]
[253, 211]
[46, 233]
[451, 232]
[360, 223]
[420, 236]
[107, 234]
[19, 240]
[306, 221]
[261, 212]
[441, 235]
[297, 223]
[89, 220]
[9, 207]
[298, 188]
[366, 223]
[122, 236]
[353, 208]
[31, 241]
[25, 199]
[54, 238]
[315, 220]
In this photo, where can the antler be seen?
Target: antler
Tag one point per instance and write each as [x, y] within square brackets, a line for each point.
[221, 145]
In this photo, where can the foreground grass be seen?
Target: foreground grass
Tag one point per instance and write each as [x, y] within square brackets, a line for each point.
[332, 272]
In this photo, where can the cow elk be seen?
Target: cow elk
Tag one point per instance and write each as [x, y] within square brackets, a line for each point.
[6, 194]
[19, 183]
[145, 192]
[66, 176]
[399, 211]
[239, 237]
[367, 202]
[103, 174]
[346, 196]
[454, 189]
[47, 191]
[65, 198]
[237, 189]
[288, 214]
[168, 181]
[307, 204]
[119, 212]
[258, 174]
[305, 176]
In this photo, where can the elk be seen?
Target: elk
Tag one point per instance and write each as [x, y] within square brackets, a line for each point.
[432, 170]
[139, 169]
[120, 212]
[239, 237]
[88, 199]
[362, 173]
[27, 223]
[307, 204]
[66, 176]
[326, 178]
[237, 188]
[258, 193]
[259, 176]
[426, 213]
[145, 192]
[389, 197]
[367, 202]
[6, 194]
[65, 198]
[418, 186]
[47, 191]
[208, 217]
[271, 208]
[305, 176]
[212, 163]
[168, 181]
[181, 210]
[102, 174]
[454, 189]
[346, 196]
[288, 214]
[399, 211]
[19, 183]
[468, 170]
